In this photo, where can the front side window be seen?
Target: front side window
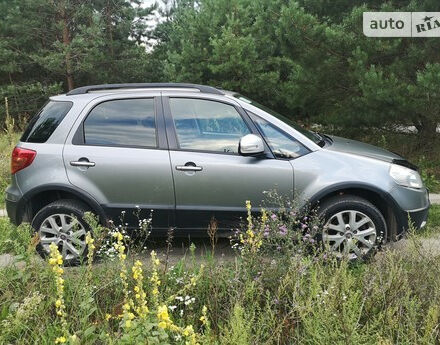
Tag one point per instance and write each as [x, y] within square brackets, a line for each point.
[281, 144]
[126, 122]
[316, 138]
[207, 125]
[45, 122]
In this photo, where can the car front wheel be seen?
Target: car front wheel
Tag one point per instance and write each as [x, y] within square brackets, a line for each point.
[353, 227]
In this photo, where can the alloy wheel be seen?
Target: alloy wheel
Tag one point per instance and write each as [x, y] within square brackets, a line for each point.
[66, 232]
[351, 234]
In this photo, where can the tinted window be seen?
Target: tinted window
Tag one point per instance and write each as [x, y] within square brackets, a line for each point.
[128, 122]
[207, 125]
[45, 122]
[281, 144]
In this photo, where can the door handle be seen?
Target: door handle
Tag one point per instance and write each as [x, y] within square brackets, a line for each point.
[190, 166]
[82, 163]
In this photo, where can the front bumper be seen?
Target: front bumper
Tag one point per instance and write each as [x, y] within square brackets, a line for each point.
[410, 206]
[416, 219]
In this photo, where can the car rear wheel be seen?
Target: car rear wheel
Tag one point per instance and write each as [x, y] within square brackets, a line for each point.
[353, 227]
[61, 222]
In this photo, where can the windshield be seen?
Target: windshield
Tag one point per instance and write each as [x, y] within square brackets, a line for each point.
[315, 137]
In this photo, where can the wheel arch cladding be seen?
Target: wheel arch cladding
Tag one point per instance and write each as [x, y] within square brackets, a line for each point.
[34, 200]
[381, 199]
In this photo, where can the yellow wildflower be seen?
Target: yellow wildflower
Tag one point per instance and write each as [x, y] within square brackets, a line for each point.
[154, 277]
[60, 340]
[162, 313]
[56, 260]
[188, 331]
[91, 250]
[204, 318]
[263, 217]
[141, 303]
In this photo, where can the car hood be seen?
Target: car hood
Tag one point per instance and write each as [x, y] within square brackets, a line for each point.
[362, 149]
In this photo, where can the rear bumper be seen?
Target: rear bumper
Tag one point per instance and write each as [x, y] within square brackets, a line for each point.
[13, 197]
[11, 208]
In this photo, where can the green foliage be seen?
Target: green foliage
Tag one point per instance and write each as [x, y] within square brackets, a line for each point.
[287, 57]
[281, 299]
[238, 330]
[308, 60]
[429, 174]
[8, 139]
[13, 239]
[47, 47]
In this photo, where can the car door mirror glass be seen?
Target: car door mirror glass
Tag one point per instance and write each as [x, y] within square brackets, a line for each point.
[251, 145]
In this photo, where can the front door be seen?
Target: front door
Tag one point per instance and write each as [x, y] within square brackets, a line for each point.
[116, 157]
[211, 179]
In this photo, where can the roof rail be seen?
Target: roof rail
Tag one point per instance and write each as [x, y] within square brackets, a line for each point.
[86, 89]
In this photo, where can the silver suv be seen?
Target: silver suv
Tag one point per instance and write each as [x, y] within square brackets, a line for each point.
[192, 152]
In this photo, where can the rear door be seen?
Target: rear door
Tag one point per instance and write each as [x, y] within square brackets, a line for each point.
[118, 154]
[211, 179]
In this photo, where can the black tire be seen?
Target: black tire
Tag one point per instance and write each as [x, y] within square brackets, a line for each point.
[341, 203]
[69, 207]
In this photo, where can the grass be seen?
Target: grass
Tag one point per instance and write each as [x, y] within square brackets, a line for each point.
[7, 142]
[262, 296]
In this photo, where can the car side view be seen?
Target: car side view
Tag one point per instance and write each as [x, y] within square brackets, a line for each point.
[192, 152]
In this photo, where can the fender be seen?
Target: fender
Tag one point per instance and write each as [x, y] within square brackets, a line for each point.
[385, 196]
[79, 193]
[354, 185]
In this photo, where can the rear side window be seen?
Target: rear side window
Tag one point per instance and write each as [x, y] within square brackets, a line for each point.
[124, 122]
[45, 122]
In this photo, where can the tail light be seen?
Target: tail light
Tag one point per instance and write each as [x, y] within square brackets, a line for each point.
[21, 158]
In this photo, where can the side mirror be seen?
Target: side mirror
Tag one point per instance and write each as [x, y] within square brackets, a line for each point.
[251, 145]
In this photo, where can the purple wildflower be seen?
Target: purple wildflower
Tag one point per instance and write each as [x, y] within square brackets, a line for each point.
[283, 230]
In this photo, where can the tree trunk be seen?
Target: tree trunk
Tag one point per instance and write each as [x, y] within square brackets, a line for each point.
[108, 20]
[427, 129]
[66, 42]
